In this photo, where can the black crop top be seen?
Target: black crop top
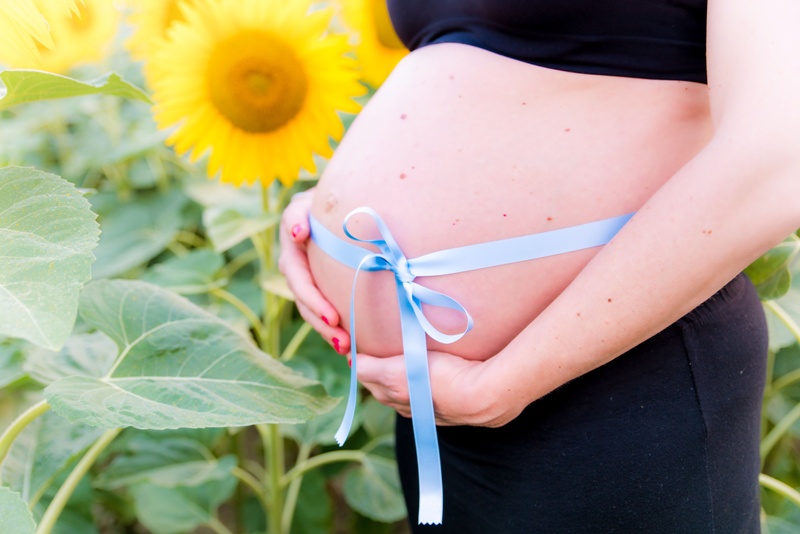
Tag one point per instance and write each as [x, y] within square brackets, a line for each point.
[656, 39]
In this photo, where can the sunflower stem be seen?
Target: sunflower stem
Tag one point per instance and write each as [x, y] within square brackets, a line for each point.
[64, 493]
[18, 425]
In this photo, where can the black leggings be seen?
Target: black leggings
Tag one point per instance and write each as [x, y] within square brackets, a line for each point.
[663, 439]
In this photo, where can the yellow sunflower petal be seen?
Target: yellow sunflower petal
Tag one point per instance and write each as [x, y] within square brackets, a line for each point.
[76, 32]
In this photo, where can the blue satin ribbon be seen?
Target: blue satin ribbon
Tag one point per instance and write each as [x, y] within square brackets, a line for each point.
[415, 325]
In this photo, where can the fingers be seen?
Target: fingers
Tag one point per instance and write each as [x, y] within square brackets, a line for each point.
[293, 263]
[336, 336]
[385, 378]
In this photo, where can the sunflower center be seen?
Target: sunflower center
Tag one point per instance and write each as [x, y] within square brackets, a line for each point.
[256, 81]
[383, 25]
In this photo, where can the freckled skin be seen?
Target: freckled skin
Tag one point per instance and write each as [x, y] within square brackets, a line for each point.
[476, 149]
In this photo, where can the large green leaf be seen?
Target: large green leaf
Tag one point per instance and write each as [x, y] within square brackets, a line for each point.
[30, 85]
[179, 510]
[373, 489]
[47, 233]
[43, 451]
[136, 232]
[178, 366]
[165, 458]
[14, 514]
[82, 355]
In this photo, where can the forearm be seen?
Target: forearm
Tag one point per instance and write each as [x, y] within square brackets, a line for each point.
[720, 212]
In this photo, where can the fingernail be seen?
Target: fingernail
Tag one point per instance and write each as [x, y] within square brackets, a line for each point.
[349, 362]
[325, 320]
[296, 230]
[335, 342]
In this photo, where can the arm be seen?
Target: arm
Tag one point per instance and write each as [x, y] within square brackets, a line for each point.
[728, 205]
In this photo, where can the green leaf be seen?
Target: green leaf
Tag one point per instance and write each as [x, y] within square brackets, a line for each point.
[314, 512]
[47, 447]
[316, 360]
[378, 419]
[47, 233]
[190, 274]
[167, 460]
[779, 335]
[228, 227]
[771, 272]
[83, 355]
[14, 514]
[373, 489]
[180, 510]
[179, 366]
[12, 359]
[231, 214]
[23, 86]
[136, 232]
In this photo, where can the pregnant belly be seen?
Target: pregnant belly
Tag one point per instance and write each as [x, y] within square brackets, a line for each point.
[461, 146]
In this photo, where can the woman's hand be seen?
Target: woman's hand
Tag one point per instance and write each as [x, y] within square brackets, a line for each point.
[463, 390]
[293, 263]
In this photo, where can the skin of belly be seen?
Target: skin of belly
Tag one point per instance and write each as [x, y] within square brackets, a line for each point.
[462, 146]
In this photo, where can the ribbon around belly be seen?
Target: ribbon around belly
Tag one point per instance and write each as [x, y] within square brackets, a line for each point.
[414, 324]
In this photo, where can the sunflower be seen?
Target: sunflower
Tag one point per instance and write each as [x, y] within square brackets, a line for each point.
[379, 49]
[255, 82]
[77, 37]
[151, 19]
[22, 26]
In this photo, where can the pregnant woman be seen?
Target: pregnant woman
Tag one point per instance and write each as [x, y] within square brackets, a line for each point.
[610, 388]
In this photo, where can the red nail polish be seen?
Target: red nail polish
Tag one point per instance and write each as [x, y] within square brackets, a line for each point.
[335, 342]
[325, 320]
[349, 362]
[296, 230]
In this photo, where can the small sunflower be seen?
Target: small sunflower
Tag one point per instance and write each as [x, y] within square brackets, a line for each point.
[257, 83]
[77, 37]
[22, 26]
[379, 49]
[151, 19]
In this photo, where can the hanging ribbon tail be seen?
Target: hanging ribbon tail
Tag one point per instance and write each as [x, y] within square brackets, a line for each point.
[423, 420]
[368, 262]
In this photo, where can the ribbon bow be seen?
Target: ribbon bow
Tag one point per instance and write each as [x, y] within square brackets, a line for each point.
[414, 325]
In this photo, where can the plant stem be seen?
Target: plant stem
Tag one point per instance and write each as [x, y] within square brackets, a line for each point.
[294, 490]
[66, 490]
[774, 435]
[274, 460]
[245, 310]
[19, 424]
[779, 487]
[253, 483]
[296, 341]
[320, 460]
